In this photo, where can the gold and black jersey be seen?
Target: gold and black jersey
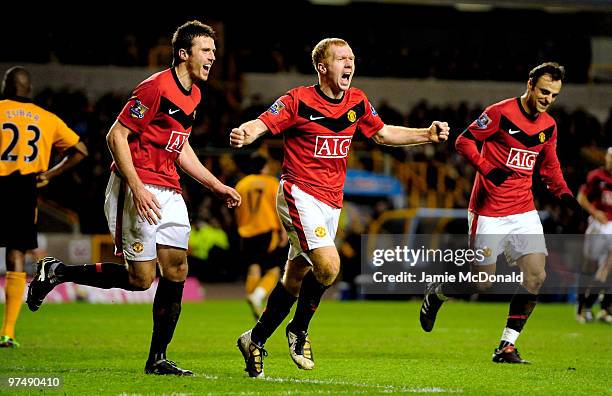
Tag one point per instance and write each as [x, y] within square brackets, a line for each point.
[27, 135]
[257, 213]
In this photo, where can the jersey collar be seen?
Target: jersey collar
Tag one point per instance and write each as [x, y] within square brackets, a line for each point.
[327, 98]
[178, 83]
[527, 115]
[21, 99]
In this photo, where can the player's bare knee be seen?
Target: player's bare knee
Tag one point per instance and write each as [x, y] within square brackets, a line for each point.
[327, 270]
[295, 270]
[141, 281]
[292, 282]
[176, 273]
[15, 260]
[292, 286]
[534, 280]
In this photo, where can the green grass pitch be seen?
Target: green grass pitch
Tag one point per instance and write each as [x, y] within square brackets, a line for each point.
[359, 348]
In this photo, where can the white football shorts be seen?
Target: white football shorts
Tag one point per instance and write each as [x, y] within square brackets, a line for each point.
[515, 236]
[309, 223]
[598, 241]
[136, 238]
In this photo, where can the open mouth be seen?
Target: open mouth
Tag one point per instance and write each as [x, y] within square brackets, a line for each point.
[346, 77]
[207, 67]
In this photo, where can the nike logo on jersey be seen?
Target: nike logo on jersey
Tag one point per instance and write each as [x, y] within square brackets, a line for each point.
[528, 138]
[336, 125]
[173, 110]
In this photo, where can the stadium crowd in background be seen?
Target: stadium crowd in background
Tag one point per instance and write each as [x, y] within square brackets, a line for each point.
[579, 151]
[464, 53]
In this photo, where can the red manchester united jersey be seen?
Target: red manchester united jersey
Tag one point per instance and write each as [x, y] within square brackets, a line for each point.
[161, 113]
[513, 141]
[317, 132]
[598, 190]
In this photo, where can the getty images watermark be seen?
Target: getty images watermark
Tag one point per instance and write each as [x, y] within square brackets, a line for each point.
[405, 264]
[406, 256]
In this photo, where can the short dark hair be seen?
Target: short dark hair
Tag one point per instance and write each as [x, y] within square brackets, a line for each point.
[184, 35]
[556, 72]
[16, 79]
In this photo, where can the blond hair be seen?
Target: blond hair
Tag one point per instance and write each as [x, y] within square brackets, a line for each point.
[321, 50]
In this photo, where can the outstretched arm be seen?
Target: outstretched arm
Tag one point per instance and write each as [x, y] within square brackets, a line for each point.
[190, 163]
[391, 135]
[246, 133]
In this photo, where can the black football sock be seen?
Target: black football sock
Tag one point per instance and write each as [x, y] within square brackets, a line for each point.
[166, 312]
[521, 306]
[102, 275]
[605, 303]
[590, 300]
[581, 302]
[277, 309]
[311, 292]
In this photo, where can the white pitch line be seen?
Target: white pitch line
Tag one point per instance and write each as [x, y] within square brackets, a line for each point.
[381, 387]
[384, 388]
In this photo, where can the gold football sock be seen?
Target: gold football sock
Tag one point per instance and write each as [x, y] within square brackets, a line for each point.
[252, 279]
[15, 285]
[269, 280]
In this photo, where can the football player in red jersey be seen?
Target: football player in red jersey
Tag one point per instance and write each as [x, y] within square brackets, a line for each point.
[144, 206]
[502, 216]
[318, 123]
[595, 197]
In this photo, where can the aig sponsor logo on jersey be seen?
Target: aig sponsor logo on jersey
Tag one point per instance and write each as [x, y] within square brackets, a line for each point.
[276, 107]
[521, 159]
[176, 141]
[332, 146]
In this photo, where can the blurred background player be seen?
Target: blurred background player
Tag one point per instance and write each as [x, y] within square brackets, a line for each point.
[502, 216]
[318, 124]
[263, 240]
[28, 135]
[144, 207]
[595, 197]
